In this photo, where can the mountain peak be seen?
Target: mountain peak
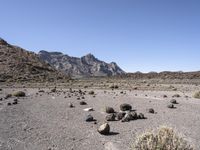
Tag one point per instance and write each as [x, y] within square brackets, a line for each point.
[89, 55]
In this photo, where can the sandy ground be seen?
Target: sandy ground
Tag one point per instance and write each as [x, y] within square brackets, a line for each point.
[45, 121]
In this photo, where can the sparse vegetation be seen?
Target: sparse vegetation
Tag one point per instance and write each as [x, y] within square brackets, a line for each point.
[197, 95]
[19, 94]
[163, 139]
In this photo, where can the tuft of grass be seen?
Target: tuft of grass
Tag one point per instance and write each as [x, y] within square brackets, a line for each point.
[197, 95]
[19, 94]
[164, 138]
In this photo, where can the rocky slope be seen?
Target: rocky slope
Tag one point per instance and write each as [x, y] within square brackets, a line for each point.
[17, 64]
[85, 66]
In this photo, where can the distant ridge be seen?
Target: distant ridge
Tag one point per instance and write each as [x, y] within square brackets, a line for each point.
[87, 65]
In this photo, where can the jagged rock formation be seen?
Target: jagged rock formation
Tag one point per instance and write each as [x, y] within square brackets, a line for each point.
[17, 64]
[85, 66]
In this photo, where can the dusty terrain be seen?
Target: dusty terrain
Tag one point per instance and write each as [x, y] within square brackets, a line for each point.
[44, 121]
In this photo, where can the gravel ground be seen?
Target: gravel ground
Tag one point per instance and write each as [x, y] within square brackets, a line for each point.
[45, 122]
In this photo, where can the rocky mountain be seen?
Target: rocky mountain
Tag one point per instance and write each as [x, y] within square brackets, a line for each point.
[17, 64]
[85, 66]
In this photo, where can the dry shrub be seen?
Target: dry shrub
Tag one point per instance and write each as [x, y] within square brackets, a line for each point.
[163, 139]
[197, 95]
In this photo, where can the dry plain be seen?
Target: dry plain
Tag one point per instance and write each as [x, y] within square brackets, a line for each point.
[43, 120]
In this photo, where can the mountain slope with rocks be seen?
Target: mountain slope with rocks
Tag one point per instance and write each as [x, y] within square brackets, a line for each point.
[87, 65]
[17, 64]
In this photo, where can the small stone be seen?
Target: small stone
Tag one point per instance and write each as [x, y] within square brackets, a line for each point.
[109, 110]
[88, 109]
[176, 95]
[151, 110]
[53, 90]
[83, 103]
[9, 104]
[173, 101]
[15, 103]
[125, 107]
[89, 118]
[104, 129]
[140, 116]
[170, 106]
[70, 105]
[164, 96]
[8, 96]
[91, 92]
[110, 117]
[41, 91]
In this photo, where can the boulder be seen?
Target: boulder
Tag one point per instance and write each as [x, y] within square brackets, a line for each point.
[110, 117]
[89, 118]
[120, 115]
[173, 101]
[151, 110]
[83, 103]
[140, 116]
[109, 110]
[104, 129]
[125, 107]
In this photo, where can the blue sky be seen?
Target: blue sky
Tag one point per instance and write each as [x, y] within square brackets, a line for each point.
[139, 35]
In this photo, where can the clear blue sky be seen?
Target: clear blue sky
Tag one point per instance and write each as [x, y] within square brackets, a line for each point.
[140, 35]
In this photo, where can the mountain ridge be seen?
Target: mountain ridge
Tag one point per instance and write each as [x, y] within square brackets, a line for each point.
[87, 65]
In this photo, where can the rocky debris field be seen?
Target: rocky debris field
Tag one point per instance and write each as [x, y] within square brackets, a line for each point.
[56, 118]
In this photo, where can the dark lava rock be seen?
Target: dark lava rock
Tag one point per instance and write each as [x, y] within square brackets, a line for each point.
[170, 106]
[173, 101]
[164, 96]
[41, 91]
[125, 107]
[83, 103]
[109, 110]
[104, 129]
[9, 104]
[53, 90]
[91, 92]
[120, 115]
[151, 110]
[70, 105]
[15, 103]
[176, 95]
[89, 118]
[8, 96]
[140, 116]
[110, 117]
[129, 116]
